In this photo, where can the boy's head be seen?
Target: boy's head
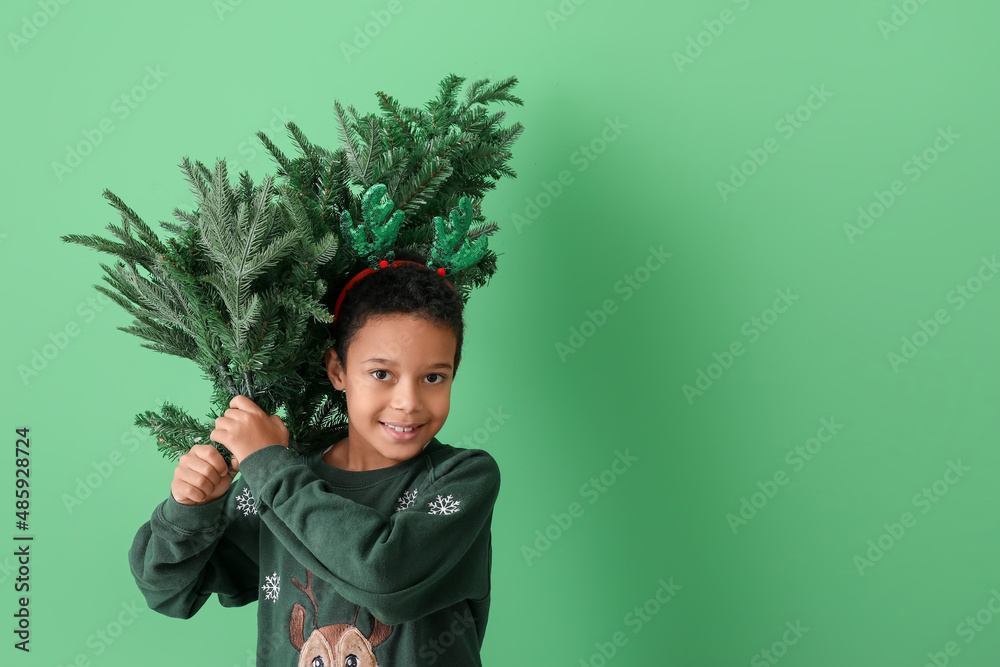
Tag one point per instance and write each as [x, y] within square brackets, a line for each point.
[409, 319]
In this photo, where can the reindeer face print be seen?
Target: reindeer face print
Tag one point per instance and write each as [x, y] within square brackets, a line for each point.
[337, 645]
[346, 648]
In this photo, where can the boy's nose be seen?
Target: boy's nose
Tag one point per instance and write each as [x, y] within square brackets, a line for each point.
[406, 398]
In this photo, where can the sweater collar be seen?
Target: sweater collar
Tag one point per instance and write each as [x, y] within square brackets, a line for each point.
[360, 478]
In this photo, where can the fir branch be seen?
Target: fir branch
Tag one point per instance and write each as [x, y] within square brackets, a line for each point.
[348, 135]
[164, 339]
[420, 189]
[129, 217]
[195, 180]
[279, 157]
[117, 298]
[482, 92]
[400, 127]
[97, 243]
[176, 431]
[370, 141]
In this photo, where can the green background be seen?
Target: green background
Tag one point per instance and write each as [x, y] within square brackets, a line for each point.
[229, 70]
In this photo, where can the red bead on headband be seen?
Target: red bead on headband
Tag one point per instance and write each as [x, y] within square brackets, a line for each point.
[368, 271]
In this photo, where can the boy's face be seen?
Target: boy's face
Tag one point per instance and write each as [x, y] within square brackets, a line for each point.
[399, 371]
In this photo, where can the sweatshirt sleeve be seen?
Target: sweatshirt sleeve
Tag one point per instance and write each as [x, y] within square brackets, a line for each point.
[401, 567]
[184, 553]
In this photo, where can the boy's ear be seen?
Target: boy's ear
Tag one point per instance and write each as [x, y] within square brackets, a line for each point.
[333, 367]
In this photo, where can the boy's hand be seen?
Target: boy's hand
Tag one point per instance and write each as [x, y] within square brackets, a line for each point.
[244, 428]
[201, 476]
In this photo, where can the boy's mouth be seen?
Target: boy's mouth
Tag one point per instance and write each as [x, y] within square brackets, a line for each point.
[401, 431]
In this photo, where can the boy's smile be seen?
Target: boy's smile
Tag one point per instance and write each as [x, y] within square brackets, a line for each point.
[398, 388]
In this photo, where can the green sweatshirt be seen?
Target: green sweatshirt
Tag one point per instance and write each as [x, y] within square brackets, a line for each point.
[387, 567]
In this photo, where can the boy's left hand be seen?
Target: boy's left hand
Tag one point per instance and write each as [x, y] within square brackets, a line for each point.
[244, 428]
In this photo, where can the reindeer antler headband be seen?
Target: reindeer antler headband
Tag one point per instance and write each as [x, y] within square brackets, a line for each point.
[450, 252]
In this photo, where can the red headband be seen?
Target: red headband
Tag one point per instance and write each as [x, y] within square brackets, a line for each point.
[368, 271]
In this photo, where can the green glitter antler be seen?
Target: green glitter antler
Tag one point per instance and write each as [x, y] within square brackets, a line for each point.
[375, 208]
[451, 249]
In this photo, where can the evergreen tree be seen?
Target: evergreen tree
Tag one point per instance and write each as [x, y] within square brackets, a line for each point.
[240, 288]
[236, 291]
[428, 159]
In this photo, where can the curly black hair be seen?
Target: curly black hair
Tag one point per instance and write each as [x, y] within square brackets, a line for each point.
[405, 289]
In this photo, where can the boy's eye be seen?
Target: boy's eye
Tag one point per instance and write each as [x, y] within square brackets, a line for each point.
[430, 375]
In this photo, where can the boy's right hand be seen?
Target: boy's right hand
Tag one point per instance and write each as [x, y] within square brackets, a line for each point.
[201, 476]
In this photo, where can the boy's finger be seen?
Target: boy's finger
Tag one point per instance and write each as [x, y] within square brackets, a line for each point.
[192, 492]
[193, 464]
[241, 402]
[212, 455]
[199, 478]
[208, 468]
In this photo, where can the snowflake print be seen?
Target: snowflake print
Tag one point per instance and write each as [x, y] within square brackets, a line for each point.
[245, 502]
[406, 500]
[443, 505]
[271, 587]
